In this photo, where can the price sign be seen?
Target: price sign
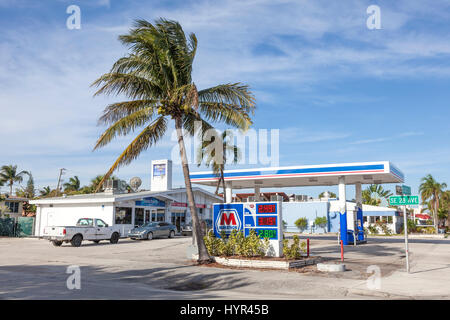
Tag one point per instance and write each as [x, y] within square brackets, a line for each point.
[269, 221]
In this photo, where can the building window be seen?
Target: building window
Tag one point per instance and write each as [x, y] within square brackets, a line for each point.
[160, 215]
[372, 219]
[13, 206]
[389, 219]
[365, 219]
[123, 215]
[139, 216]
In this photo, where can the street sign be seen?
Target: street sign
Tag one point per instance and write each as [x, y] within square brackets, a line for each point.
[406, 190]
[403, 190]
[403, 200]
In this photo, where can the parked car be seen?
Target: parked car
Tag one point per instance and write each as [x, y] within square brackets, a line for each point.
[86, 229]
[153, 230]
[206, 225]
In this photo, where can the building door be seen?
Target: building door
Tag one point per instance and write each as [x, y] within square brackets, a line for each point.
[178, 219]
[147, 216]
[139, 216]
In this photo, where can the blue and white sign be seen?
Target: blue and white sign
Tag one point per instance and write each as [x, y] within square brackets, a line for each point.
[150, 202]
[227, 217]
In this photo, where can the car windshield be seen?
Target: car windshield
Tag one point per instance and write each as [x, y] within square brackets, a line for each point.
[150, 224]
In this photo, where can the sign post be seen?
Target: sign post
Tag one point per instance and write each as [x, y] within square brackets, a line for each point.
[404, 200]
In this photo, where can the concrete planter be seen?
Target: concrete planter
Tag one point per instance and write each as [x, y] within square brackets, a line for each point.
[263, 263]
[331, 267]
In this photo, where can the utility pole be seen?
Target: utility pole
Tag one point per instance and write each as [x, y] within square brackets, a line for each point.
[61, 172]
[405, 221]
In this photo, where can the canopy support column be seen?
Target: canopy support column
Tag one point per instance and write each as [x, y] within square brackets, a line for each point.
[228, 192]
[257, 193]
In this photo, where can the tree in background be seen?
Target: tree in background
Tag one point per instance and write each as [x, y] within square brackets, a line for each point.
[73, 184]
[301, 224]
[374, 193]
[44, 192]
[445, 206]
[432, 190]
[321, 222]
[157, 78]
[29, 191]
[9, 175]
[330, 194]
[224, 146]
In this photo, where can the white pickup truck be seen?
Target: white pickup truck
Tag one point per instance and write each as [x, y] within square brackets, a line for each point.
[86, 229]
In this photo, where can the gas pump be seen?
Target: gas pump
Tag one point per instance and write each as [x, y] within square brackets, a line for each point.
[351, 226]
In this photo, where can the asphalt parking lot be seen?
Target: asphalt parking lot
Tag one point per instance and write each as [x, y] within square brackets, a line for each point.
[32, 268]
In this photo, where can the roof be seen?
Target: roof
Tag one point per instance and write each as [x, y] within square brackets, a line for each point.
[263, 195]
[311, 175]
[110, 197]
[13, 198]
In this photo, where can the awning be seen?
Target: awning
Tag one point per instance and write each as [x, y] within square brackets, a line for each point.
[423, 216]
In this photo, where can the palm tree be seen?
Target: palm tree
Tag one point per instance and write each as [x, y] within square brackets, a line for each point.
[9, 175]
[72, 185]
[157, 78]
[431, 189]
[223, 146]
[445, 204]
[330, 194]
[45, 191]
[372, 194]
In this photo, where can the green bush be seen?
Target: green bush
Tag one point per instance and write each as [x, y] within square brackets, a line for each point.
[384, 227]
[372, 229]
[236, 244]
[295, 250]
[301, 224]
[321, 222]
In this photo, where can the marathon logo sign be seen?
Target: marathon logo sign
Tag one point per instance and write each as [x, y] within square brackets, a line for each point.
[227, 217]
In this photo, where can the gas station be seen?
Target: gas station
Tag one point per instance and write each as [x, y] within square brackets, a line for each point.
[266, 217]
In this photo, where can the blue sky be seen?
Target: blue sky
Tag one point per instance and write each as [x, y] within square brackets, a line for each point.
[337, 91]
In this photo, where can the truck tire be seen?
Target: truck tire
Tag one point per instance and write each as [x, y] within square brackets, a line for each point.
[57, 243]
[171, 234]
[150, 236]
[76, 240]
[114, 238]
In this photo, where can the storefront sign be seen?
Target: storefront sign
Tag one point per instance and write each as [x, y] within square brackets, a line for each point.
[184, 204]
[150, 202]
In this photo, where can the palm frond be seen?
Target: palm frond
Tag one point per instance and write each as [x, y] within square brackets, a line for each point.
[148, 137]
[125, 125]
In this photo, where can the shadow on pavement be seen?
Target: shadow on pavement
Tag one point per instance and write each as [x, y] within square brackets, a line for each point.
[49, 282]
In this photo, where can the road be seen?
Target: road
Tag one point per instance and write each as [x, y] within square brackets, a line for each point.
[32, 268]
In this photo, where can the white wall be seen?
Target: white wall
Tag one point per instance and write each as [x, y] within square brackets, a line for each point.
[68, 215]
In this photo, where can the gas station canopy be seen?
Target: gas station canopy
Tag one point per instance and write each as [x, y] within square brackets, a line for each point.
[312, 175]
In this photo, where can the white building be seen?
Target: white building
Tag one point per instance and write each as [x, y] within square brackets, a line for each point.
[126, 210]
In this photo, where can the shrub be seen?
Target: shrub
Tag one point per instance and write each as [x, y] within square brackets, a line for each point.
[384, 227]
[301, 224]
[372, 229]
[295, 250]
[236, 244]
[321, 222]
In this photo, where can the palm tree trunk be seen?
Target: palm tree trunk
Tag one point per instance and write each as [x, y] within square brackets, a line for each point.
[223, 185]
[10, 188]
[436, 207]
[218, 185]
[203, 256]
